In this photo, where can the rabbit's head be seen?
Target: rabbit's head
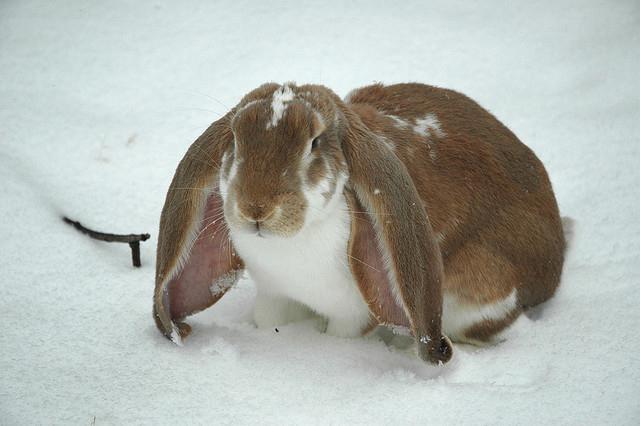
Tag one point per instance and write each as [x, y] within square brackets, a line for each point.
[285, 169]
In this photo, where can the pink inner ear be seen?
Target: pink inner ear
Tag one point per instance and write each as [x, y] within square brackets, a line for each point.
[369, 270]
[211, 262]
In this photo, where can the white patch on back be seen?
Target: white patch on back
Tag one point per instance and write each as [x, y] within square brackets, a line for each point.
[399, 122]
[429, 126]
[457, 317]
[279, 104]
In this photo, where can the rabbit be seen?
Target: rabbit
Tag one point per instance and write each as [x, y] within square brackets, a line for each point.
[405, 205]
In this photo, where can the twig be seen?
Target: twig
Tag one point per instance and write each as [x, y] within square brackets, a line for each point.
[132, 239]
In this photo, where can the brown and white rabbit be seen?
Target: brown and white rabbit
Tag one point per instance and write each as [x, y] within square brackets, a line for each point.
[405, 205]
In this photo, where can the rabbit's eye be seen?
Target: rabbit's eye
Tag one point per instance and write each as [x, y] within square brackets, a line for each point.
[314, 143]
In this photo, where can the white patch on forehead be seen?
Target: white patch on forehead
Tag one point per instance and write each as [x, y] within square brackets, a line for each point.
[279, 104]
[429, 126]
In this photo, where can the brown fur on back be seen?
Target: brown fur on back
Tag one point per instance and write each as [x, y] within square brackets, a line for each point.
[480, 185]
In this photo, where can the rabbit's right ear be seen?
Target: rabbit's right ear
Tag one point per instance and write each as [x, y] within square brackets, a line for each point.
[413, 263]
[196, 262]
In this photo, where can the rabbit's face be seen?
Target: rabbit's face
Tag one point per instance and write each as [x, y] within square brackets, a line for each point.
[286, 169]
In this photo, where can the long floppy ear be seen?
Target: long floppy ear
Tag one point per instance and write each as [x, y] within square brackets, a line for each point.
[405, 239]
[196, 262]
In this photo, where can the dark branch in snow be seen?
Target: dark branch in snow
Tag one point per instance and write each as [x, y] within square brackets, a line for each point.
[132, 239]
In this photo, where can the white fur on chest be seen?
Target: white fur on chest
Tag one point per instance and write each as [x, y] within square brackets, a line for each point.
[310, 268]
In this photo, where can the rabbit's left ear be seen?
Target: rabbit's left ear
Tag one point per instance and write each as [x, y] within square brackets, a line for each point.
[405, 239]
[196, 262]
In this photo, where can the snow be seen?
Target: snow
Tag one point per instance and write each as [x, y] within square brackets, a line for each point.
[100, 100]
[224, 282]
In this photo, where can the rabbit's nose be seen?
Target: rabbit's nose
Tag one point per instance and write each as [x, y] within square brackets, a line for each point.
[255, 211]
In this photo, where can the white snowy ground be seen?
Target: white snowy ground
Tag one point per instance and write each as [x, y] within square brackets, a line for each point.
[98, 102]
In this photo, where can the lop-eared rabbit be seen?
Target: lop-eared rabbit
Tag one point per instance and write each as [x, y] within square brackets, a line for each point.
[404, 205]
